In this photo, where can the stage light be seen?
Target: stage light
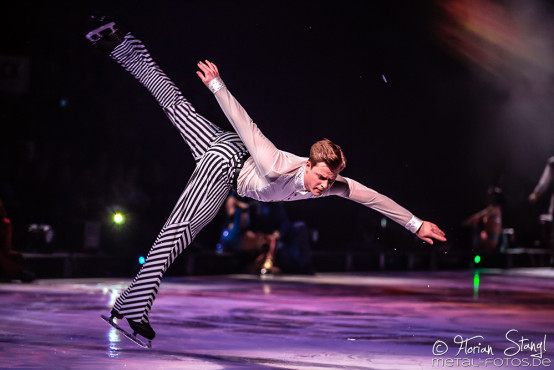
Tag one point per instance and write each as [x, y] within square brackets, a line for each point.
[477, 259]
[142, 260]
[118, 218]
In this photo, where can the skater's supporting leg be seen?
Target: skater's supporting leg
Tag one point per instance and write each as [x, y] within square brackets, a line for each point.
[203, 196]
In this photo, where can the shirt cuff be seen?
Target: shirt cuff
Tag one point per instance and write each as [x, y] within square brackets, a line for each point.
[414, 224]
[215, 85]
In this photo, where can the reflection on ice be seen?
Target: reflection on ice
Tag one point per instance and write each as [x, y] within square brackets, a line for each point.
[113, 339]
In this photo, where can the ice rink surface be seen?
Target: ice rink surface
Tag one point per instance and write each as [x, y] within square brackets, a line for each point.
[379, 320]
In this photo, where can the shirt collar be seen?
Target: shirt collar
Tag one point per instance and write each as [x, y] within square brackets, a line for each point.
[299, 180]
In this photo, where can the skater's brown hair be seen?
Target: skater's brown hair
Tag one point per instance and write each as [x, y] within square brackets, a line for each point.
[329, 153]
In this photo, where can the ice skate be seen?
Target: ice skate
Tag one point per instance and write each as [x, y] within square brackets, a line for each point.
[144, 330]
[104, 34]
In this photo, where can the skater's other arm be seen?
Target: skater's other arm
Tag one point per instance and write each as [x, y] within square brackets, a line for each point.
[353, 190]
[265, 154]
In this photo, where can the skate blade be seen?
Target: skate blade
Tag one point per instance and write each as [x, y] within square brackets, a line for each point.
[125, 333]
[97, 34]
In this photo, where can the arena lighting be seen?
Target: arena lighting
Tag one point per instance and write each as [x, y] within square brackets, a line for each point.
[142, 260]
[118, 218]
[477, 259]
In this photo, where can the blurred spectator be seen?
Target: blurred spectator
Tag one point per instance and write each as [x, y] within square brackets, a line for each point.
[545, 185]
[238, 236]
[12, 264]
[486, 225]
[264, 230]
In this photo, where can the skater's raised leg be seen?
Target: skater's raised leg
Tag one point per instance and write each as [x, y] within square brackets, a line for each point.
[131, 54]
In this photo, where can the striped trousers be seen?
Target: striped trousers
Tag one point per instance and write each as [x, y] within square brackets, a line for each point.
[217, 154]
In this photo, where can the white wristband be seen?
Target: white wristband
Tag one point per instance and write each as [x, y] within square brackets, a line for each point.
[414, 224]
[215, 85]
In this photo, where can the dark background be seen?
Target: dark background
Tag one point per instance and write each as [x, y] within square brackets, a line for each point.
[426, 111]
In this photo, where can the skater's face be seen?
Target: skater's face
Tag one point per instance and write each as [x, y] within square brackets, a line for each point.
[318, 178]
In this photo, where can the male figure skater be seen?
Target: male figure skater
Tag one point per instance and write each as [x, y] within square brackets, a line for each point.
[245, 161]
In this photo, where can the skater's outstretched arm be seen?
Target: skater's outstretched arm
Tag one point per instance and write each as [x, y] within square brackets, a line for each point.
[350, 189]
[266, 156]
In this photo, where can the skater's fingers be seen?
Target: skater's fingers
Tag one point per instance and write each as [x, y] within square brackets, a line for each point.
[213, 69]
[208, 71]
[206, 66]
[429, 231]
[203, 67]
[201, 75]
[440, 238]
[212, 66]
[437, 233]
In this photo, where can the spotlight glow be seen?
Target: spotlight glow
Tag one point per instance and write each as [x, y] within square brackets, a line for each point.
[142, 260]
[477, 259]
[118, 218]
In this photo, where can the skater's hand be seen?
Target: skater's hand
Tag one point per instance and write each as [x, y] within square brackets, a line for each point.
[208, 71]
[429, 231]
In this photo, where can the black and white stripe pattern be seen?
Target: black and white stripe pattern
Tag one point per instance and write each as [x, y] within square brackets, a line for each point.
[197, 131]
[217, 154]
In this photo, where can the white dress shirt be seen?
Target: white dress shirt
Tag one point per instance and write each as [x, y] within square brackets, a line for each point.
[272, 175]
